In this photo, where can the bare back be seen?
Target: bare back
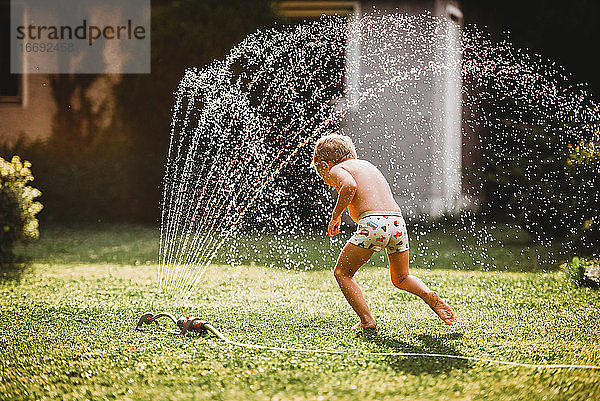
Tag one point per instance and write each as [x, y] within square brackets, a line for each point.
[372, 189]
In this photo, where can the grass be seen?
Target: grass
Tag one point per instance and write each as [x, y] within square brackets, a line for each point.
[66, 327]
[496, 248]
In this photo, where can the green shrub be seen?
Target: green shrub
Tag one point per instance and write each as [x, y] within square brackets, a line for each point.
[584, 272]
[547, 179]
[583, 165]
[525, 170]
[17, 206]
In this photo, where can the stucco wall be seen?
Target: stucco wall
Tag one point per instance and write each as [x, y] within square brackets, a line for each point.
[31, 117]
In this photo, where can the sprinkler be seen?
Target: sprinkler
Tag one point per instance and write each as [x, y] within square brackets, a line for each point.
[185, 323]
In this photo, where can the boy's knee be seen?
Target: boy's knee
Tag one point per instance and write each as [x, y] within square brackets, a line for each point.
[398, 280]
[340, 274]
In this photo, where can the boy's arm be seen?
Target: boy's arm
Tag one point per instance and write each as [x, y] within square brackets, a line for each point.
[346, 186]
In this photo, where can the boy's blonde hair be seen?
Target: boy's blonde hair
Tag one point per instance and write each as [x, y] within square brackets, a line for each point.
[333, 148]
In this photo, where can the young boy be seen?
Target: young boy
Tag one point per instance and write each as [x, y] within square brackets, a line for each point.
[365, 192]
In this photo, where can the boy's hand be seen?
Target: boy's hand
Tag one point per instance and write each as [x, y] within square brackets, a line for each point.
[334, 226]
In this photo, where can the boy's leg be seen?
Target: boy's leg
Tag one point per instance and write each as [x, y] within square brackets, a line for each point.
[350, 260]
[403, 280]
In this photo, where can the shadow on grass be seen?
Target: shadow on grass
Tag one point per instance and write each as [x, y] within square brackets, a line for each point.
[417, 365]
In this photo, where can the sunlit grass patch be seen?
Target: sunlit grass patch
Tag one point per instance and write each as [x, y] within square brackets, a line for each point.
[67, 331]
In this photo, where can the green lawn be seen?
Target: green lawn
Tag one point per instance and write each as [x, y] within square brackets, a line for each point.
[68, 317]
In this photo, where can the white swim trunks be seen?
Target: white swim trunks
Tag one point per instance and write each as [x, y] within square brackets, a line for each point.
[380, 229]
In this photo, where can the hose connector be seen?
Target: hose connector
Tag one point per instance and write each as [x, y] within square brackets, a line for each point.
[195, 324]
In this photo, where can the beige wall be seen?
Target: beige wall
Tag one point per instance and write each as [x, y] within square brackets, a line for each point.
[33, 115]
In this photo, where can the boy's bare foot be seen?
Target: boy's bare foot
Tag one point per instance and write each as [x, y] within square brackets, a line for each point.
[361, 325]
[440, 307]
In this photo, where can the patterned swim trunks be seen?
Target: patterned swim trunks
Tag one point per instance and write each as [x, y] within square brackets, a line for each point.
[379, 229]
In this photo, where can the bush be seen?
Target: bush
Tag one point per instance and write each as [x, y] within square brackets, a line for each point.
[584, 272]
[548, 181]
[17, 207]
[583, 165]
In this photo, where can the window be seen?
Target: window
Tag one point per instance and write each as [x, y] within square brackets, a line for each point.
[10, 84]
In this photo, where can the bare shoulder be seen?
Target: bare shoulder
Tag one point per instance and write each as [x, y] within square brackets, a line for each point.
[363, 171]
[357, 165]
[341, 170]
